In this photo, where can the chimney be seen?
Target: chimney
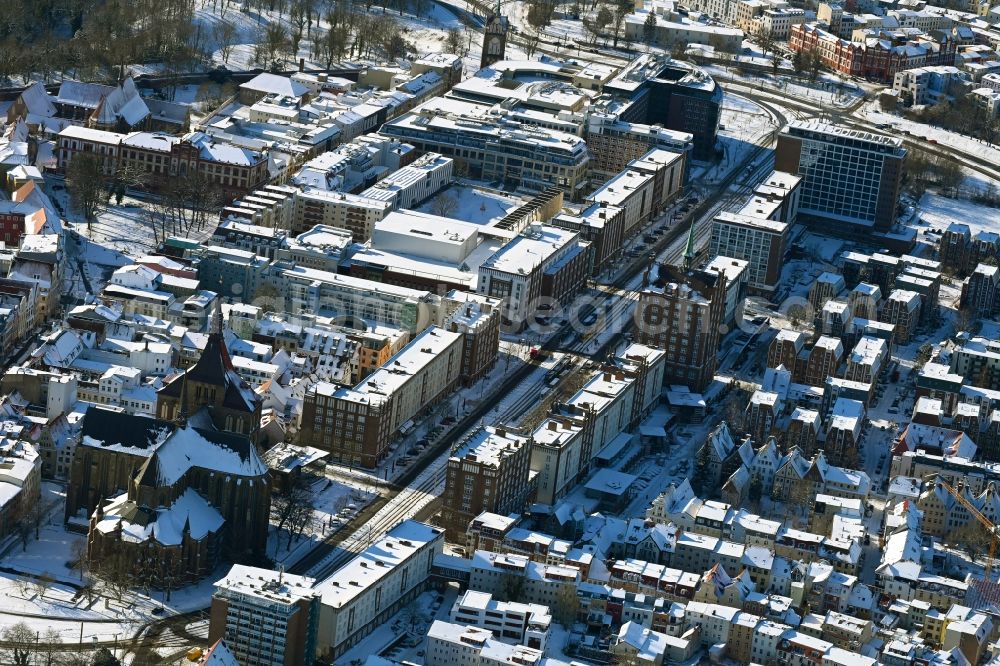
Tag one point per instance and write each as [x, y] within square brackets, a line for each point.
[501, 431]
[302, 64]
[553, 425]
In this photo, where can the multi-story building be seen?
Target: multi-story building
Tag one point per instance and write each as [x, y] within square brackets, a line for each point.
[979, 291]
[632, 191]
[600, 225]
[307, 290]
[902, 310]
[163, 158]
[266, 617]
[615, 144]
[785, 349]
[680, 312]
[844, 432]
[827, 286]
[488, 471]
[673, 94]
[357, 425]
[930, 85]
[848, 176]
[372, 587]
[525, 624]
[542, 264]
[551, 585]
[760, 242]
[452, 644]
[874, 58]
[414, 183]
[517, 154]
[735, 271]
[867, 360]
[820, 362]
[342, 210]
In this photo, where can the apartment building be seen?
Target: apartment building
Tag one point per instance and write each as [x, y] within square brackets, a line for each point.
[487, 471]
[600, 225]
[375, 585]
[266, 617]
[414, 183]
[614, 400]
[867, 360]
[785, 348]
[525, 624]
[452, 644]
[759, 242]
[357, 425]
[632, 191]
[355, 213]
[848, 176]
[930, 85]
[680, 312]
[980, 290]
[827, 286]
[549, 585]
[902, 310]
[844, 432]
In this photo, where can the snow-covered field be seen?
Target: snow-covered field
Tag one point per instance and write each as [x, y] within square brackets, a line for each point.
[330, 497]
[943, 137]
[939, 212]
[743, 124]
[470, 204]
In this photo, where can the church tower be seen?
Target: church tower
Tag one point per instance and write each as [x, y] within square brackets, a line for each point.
[494, 38]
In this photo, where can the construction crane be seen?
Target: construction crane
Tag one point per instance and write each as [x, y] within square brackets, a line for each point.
[983, 520]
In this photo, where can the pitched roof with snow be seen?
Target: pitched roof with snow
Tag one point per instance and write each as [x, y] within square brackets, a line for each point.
[219, 655]
[190, 512]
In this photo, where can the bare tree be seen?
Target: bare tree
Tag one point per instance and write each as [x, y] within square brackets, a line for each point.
[275, 43]
[455, 40]
[20, 640]
[332, 45]
[445, 204]
[293, 509]
[48, 646]
[84, 182]
[225, 35]
[768, 44]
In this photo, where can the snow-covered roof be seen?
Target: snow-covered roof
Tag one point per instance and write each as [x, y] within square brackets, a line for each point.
[377, 561]
[190, 511]
[274, 84]
[267, 585]
[219, 655]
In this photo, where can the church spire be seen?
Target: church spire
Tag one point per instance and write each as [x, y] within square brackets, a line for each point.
[216, 326]
[689, 252]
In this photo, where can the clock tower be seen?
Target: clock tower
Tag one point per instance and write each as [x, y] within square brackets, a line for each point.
[494, 38]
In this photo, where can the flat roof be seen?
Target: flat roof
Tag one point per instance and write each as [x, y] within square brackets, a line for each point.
[376, 562]
[529, 250]
[488, 446]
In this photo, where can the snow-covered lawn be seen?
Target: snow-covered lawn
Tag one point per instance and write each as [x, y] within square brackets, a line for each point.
[743, 124]
[330, 497]
[939, 211]
[943, 137]
[470, 204]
